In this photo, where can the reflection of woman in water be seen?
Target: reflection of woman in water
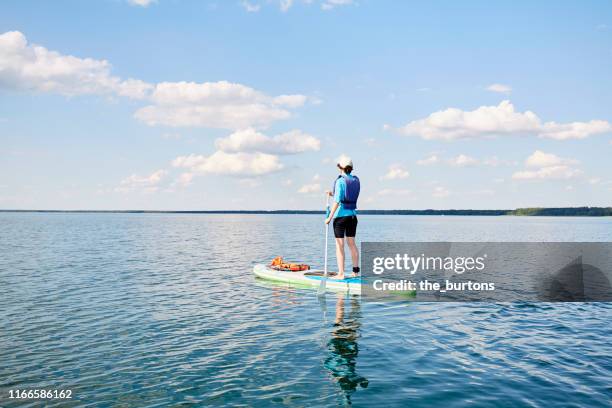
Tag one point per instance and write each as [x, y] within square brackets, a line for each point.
[343, 348]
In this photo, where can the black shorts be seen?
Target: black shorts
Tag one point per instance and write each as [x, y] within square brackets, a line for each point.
[345, 226]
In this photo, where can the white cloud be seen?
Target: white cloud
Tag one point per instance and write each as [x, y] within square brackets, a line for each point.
[180, 93]
[250, 140]
[251, 7]
[142, 3]
[395, 172]
[183, 180]
[25, 66]
[547, 166]
[499, 88]
[547, 173]
[440, 192]
[132, 88]
[220, 104]
[462, 161]
[315, 100]
[540, 159]
[310, 188]
[428, 161]
[290, 101]
[594, 180]
[489, 121]
[147, 184]
[285, 5]
[330, 4]
[232, 164]
[574, 130]
[313, 187]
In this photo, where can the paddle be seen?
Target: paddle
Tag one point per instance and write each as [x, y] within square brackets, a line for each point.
[321, 290]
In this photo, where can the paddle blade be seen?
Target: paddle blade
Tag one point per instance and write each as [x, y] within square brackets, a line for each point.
[322, 286]
[321, 290]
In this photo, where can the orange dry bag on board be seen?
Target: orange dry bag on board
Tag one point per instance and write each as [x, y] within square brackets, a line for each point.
[278, 264]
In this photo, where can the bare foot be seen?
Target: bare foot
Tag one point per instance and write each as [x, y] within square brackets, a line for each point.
[339, 276]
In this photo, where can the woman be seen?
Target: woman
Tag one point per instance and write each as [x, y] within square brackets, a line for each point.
[344, 213]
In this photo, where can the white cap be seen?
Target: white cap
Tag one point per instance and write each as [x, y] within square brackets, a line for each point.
[345, 161]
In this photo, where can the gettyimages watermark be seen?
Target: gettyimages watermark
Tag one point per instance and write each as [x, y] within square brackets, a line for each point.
[487, 272]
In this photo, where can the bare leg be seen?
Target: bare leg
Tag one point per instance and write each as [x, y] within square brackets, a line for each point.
[340, 257]
[354, 251]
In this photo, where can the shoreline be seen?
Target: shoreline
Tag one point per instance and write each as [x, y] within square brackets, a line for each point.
[543, 211]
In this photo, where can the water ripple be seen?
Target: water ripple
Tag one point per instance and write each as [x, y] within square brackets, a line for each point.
[162, 310]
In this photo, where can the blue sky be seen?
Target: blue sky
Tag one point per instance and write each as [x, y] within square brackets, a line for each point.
[232, 105]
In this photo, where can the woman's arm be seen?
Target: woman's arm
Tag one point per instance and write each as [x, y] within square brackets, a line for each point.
[332, 212]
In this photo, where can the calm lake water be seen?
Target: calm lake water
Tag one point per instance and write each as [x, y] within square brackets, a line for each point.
[163, 310]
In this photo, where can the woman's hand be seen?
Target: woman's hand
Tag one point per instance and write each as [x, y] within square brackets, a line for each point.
[329, 193]
[328, 220]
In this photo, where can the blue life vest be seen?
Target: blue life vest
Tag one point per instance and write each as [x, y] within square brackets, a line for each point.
[351, 193]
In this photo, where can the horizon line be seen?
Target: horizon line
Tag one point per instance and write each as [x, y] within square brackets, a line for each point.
[543, 211]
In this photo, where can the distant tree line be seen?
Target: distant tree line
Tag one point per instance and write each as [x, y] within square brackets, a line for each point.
[565, 211]
[544, 211]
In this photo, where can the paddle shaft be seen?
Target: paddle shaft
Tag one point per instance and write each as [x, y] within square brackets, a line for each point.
[324, 280]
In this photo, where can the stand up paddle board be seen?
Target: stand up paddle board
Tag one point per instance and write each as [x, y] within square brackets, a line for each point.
[310, 278]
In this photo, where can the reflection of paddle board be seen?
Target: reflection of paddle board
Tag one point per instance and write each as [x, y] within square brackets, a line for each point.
[310, 278]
